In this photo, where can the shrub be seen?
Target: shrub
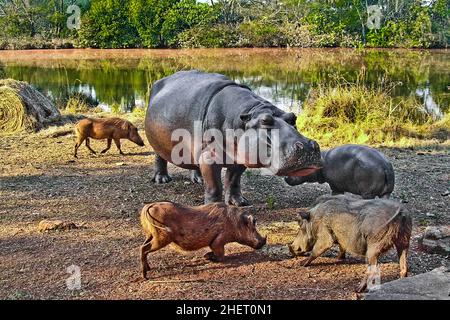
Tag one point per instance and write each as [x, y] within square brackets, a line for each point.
[218, 36]
[353, 113]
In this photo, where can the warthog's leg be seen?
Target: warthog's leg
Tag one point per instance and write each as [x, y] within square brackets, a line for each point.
[88, 145]
[372, 255]
[341, 255]
[108, 145]
[218, 250]
[117, 142]
[150, 245]
[233, 194]
[402, 252]
[322, 244]
[77, 145]
[161, 174]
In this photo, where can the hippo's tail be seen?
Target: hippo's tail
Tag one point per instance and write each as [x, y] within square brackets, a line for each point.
[148, 220]
[389, 181]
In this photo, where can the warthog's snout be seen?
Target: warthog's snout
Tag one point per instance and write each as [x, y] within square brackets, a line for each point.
[296, 252]
[261, 243]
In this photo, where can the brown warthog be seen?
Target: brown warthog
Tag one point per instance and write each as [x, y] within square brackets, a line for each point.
[193, 228]
[107, 128]
[362, 227]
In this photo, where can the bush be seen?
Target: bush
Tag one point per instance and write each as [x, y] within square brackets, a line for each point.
[353, 113]
[260, 34]
[107, 25]
[218, 36]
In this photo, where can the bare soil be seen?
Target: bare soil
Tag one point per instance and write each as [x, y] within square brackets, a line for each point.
[39, 179]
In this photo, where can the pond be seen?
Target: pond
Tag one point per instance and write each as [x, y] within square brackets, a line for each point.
[121, 79]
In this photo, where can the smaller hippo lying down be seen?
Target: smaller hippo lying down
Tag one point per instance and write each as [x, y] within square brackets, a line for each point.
[361, 227]
[193, 228]
[353, 168]
[107, 128]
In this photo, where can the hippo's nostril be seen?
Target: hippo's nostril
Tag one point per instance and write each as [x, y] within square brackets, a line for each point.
[299, 145]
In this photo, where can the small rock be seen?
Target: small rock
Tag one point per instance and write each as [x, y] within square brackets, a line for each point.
[446, 193]
[428, 214]
[121, 164]
[436, 240]
[50, 225]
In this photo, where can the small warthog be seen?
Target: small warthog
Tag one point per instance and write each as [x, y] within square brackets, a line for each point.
[361, 227]
[107, 128]
[353, 168]
[193, 228]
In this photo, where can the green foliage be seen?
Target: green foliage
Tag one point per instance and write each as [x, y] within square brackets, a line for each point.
[216, 36]
[107, 25]
[355, 113]
[227, 23]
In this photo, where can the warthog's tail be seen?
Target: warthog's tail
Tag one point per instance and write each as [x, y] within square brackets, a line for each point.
[148, 220]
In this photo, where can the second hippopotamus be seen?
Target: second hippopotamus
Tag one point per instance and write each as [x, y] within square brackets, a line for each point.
[353, 168]
[197, 120]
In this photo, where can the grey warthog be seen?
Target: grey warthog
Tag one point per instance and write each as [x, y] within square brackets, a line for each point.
[361, 227]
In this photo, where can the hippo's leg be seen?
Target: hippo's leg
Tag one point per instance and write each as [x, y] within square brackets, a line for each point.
[108, 146]
[213, 184]
[117, 142]
[161, 174]
[233, 194]
[88, 145]
[196, 176]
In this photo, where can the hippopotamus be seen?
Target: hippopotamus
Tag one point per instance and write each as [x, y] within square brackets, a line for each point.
[355, 169]
[192, 103]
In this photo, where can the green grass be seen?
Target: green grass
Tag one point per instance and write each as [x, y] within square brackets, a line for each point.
[354, 113]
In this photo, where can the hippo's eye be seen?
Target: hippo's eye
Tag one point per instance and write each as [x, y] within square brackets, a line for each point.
[267, 120]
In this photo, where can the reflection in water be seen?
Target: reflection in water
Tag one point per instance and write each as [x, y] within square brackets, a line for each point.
[284, 77]
[428, 102]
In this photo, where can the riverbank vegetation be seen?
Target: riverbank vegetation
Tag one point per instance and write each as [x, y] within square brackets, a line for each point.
[224, 23]
[356, 113]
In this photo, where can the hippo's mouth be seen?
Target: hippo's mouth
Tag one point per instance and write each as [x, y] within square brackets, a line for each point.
[303, 171]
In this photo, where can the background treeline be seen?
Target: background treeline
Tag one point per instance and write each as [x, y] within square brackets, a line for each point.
[223, 23]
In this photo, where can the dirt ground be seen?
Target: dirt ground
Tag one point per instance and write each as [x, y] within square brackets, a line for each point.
[39, 179]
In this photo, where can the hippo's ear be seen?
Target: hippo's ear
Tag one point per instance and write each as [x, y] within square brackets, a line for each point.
[304, 215]
[245, 117]
[290, 118]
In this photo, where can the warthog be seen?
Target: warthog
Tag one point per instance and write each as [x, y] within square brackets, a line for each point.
[108, 128]
[362, 227]
[193, 228]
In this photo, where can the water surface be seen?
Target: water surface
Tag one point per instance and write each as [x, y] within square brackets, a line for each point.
[122, 79]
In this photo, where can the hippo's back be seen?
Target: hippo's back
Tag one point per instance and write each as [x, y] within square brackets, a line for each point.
[359, 169]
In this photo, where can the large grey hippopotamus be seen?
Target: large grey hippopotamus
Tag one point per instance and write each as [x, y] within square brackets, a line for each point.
[353, 168]
[192, 101]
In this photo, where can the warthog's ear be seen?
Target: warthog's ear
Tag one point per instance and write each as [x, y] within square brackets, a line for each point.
[245, 117]
[304, 215]
[289, 118]
[248, 219]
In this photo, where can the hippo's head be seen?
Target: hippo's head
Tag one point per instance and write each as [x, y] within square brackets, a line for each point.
[288, 152]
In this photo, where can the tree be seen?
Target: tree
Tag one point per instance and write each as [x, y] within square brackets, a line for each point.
[107, 25]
